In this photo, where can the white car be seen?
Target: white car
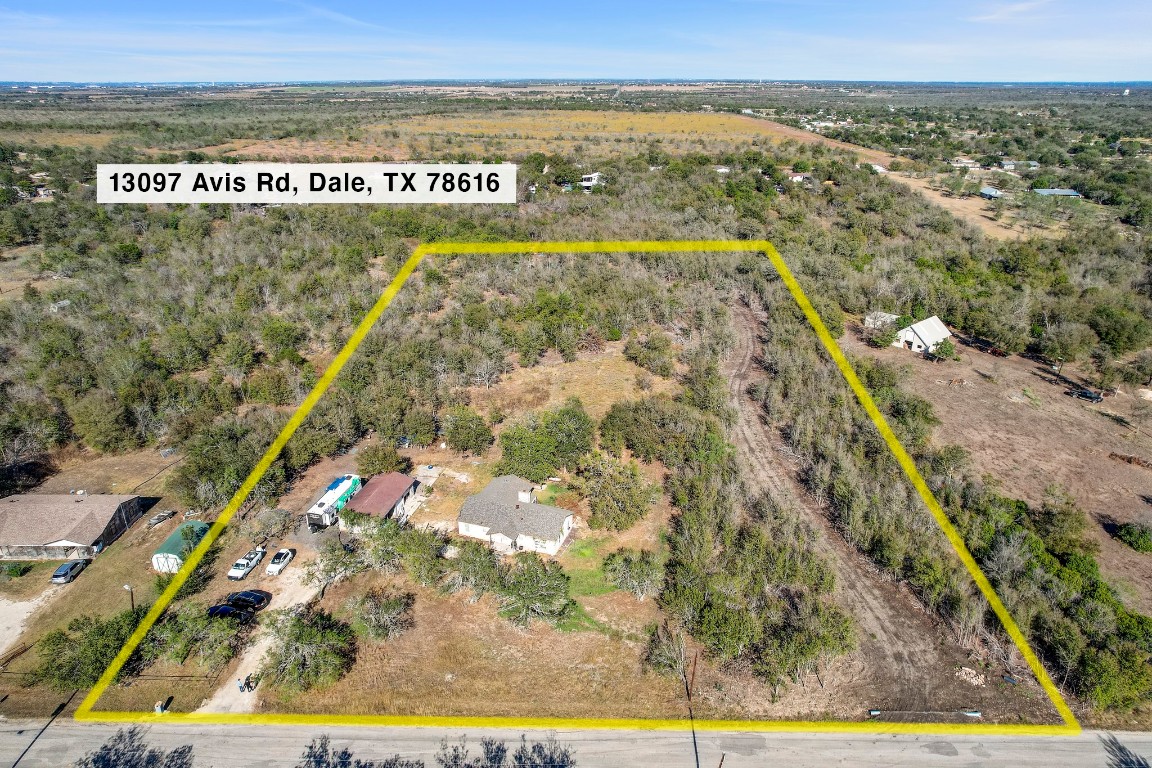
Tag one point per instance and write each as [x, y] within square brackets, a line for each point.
[279, 562]
[244, 565]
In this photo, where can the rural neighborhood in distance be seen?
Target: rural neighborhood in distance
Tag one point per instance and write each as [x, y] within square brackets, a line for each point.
[798, 410]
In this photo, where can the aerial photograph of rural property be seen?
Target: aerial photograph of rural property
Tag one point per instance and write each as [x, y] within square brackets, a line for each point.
[507, 385]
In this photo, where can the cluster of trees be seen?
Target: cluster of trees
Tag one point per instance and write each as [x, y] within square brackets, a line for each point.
[1042, 564]
[310, 648]
[731, 560]
[618, 495]
[138, 273]
[546, 442]
[76, 657]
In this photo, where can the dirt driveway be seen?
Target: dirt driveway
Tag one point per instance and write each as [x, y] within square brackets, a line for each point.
[14, 614]
[907, 660]
[290, 591]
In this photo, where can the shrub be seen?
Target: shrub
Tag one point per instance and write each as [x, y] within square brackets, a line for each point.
[377, 459]
[1136, 535]
[189, 632]
[309, 650]
[653, 353]
[76, 657]
[534, 589]
[635, 572]
[467, 432]
[617, 493]
[381, 615]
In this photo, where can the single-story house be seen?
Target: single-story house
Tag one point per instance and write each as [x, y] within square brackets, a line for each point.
[923, 336]
[385, 496]
[49, 526]
[169, 557]
[880, 320]
[1008, 165]
[1057, 192]
[506, 515]
[990, 193]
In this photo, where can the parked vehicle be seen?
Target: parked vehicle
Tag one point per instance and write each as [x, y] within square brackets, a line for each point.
[280, 561]
[1086, 394]
[160, 517]
[230, 612]
[69, 571]
[326, 510]
[249, 600]
[244, 565]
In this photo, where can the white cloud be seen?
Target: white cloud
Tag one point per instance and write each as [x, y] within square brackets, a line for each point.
[1011, 11]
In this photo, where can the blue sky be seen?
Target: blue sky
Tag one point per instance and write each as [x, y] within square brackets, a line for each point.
[260, 40]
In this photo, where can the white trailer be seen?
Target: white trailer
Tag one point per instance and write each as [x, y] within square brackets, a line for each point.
[326, 510]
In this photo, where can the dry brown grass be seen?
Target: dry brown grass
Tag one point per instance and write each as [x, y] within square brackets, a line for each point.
[462, 659]
[31, 584]
[512, 132]
[599, 380]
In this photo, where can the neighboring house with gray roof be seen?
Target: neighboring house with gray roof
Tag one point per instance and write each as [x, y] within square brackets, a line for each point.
[506, 515]
[46, 526]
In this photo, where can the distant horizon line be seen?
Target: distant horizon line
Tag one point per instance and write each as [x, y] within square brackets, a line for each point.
[562, 80]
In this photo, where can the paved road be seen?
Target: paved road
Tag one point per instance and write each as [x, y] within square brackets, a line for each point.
[264, 746]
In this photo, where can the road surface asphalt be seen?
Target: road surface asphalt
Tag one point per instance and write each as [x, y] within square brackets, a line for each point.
[64, 741]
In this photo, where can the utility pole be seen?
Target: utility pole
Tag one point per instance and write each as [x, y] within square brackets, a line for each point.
[131, 597]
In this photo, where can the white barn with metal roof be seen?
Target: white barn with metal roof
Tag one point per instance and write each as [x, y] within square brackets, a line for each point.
[923, 336]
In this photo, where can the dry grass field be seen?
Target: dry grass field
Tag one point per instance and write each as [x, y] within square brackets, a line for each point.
[599, 380]
[514, 132]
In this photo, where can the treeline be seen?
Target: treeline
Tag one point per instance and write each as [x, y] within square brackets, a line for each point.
[743, 576]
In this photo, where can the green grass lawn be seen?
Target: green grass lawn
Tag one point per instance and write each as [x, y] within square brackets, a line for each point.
[548, 494]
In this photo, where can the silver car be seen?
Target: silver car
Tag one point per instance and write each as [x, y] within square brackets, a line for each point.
[69, 571]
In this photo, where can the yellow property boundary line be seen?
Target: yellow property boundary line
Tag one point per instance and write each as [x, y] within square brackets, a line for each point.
[1070, 726]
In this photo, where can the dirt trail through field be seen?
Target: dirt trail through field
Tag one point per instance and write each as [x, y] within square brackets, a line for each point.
[906, 660]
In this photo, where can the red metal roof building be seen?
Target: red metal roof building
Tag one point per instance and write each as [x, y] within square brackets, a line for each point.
[384, 495]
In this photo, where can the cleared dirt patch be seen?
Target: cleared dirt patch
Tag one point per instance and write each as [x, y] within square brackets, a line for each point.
[599, 380]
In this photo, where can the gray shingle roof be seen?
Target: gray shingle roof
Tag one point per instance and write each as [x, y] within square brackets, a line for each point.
[37, 519]
[499, 509]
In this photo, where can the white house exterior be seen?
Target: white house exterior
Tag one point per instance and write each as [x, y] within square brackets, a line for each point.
[923, 337]
[506, 515]
[589, 180]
